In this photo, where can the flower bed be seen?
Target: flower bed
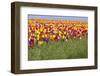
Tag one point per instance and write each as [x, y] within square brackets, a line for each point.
[44, 31]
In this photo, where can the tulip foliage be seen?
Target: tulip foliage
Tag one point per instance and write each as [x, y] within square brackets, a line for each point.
[43, 31]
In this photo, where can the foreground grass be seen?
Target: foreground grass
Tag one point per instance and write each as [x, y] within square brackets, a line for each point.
[72, 49]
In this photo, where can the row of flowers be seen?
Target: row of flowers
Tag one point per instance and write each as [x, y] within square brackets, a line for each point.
[39, 33]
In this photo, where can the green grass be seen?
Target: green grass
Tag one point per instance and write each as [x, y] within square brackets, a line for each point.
[72, 49]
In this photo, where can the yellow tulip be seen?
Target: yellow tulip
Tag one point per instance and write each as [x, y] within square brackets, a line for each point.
[32, 24]
[30, 21]
[41, 29]
[64, 32]
[53, 36]
[59, 32]
[38, 37]
[46, 35]
[38, 32]
[75, 28]
[40, 42]
[51, 24]
[44, 30]
[42, 36]
[63, 37]
[32, 34]
[59, 25]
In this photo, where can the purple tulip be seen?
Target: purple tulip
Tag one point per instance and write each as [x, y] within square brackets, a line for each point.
[45, 40]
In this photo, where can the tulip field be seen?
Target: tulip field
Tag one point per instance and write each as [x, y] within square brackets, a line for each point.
[50, 38]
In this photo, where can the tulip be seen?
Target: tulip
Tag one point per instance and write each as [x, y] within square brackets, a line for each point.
[40, 42]
[45, 30]
[45, 40]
